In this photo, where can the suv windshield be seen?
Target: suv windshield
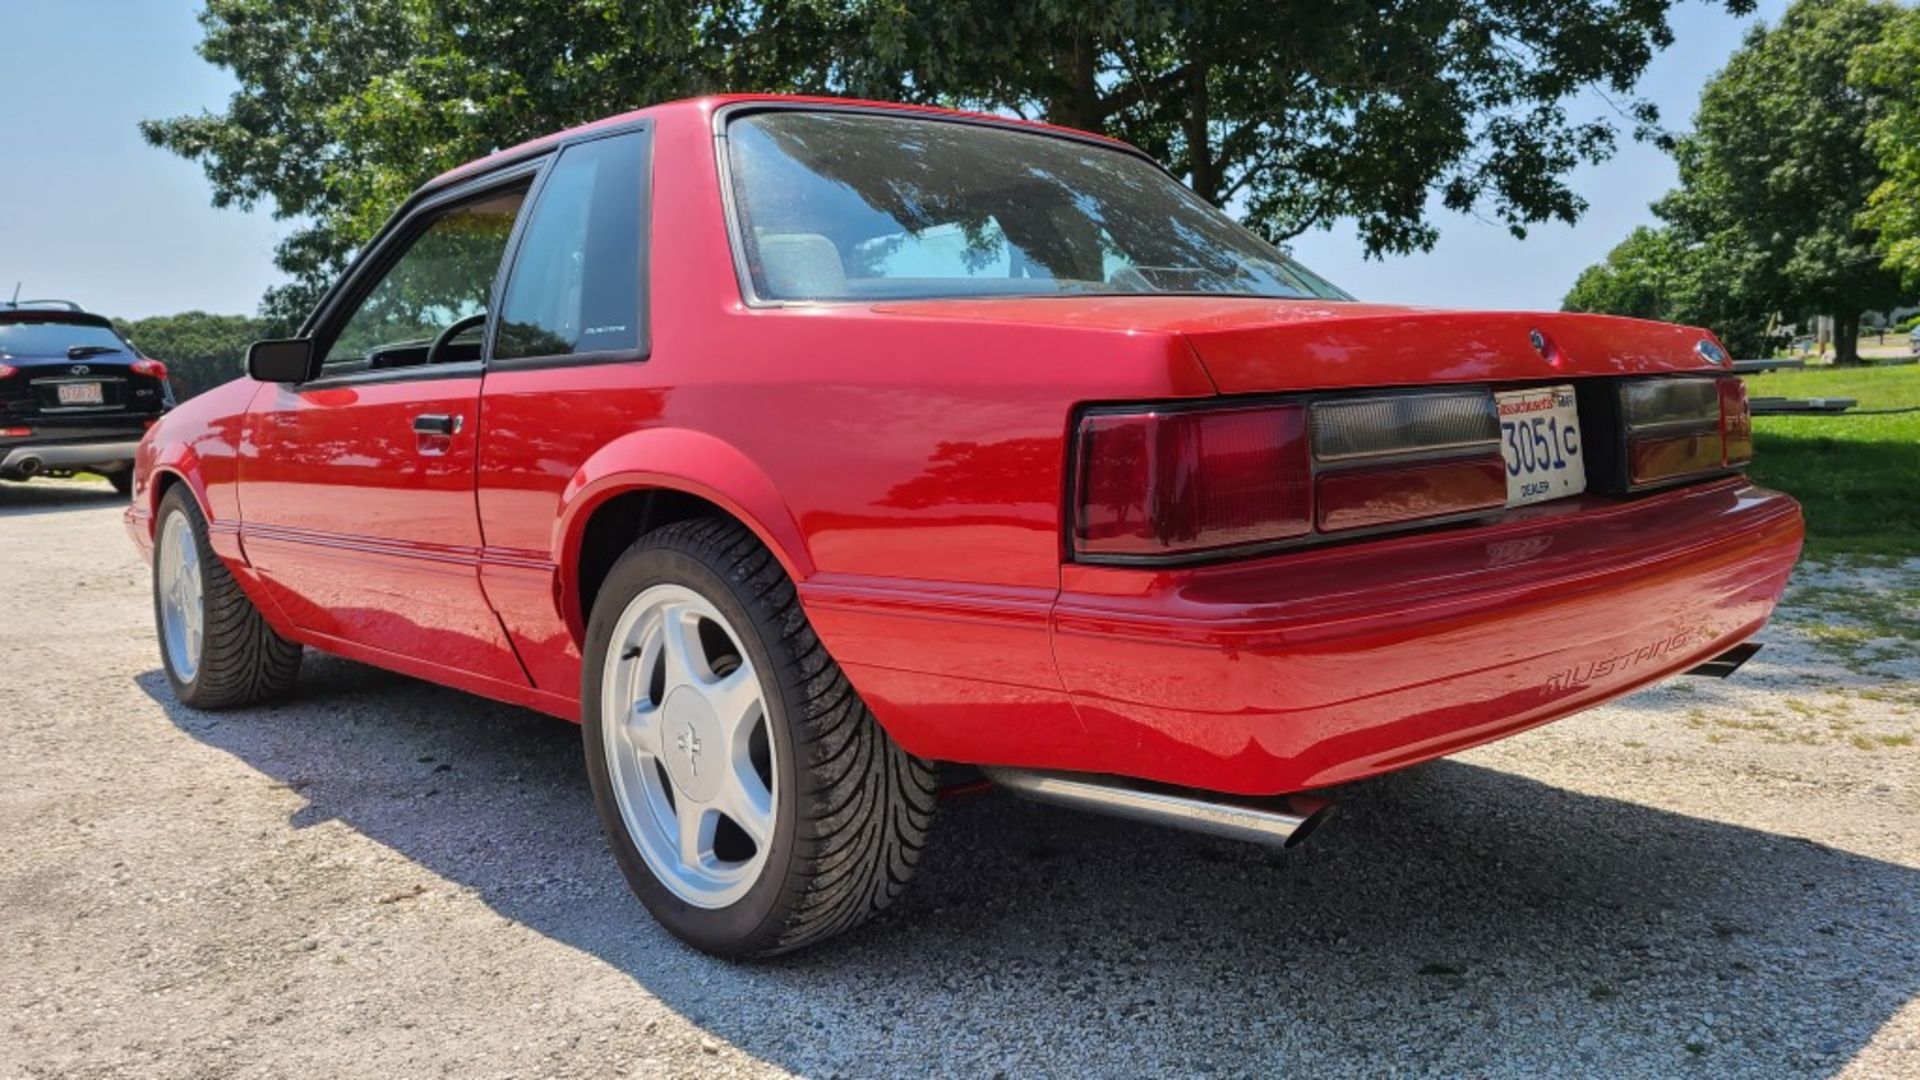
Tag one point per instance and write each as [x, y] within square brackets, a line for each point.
[43, 338]
[858, 206]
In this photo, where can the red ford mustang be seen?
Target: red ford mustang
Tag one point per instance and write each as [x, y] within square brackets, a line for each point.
[793, 446]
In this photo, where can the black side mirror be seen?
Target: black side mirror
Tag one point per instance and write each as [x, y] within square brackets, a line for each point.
[282, 360]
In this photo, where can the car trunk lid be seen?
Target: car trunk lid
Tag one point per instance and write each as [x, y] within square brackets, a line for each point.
[1339, 346]
[1252, 345]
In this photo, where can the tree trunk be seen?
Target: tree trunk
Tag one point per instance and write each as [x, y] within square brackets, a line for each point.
[1078, 104]
[1846, 339]
[1204, 172]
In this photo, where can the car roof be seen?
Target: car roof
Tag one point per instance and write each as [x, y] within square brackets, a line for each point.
[44, 311]
[706, 106]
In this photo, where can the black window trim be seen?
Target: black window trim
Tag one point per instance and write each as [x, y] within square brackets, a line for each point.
[393, 241]
[643, 315]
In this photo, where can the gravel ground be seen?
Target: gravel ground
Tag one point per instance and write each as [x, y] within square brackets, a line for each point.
[380, 877]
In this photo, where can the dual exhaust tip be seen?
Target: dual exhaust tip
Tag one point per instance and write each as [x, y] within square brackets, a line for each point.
[1281, 821]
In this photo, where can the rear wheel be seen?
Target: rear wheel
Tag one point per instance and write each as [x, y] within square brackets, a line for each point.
[752, 801]
[215, 646]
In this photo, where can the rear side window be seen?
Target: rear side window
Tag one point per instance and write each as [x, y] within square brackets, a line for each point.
[575, 285]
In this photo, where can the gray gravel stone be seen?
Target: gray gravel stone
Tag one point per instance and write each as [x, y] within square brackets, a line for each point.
[1709, 878]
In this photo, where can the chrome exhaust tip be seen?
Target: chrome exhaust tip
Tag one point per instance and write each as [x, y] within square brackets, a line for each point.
[1280, 821]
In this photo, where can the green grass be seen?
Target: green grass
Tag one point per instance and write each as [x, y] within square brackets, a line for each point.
[1858, 477]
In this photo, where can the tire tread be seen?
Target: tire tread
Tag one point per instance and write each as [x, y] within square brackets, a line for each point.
[242, 660]
[866, 815]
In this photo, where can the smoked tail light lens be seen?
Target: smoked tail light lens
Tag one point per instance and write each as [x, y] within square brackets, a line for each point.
[1371, 498]
[1406, 457]
[1736, 421]
[151, 368]
[1682, 427]
[1164, 482]
[1191, 481]
[1399, 424]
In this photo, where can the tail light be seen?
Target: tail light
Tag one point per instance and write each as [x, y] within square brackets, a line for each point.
[1406, 457]
[153, 369]
[1178, 482]
[1186, 482]
[1678, 428]
[15, 432]
[7, 371]
[1736, 421]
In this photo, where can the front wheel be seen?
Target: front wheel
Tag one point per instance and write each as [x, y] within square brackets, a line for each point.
[215, 646]
[751, 800]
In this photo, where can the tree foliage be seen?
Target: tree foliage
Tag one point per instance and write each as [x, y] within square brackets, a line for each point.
[1777, 169]
[1889, 69]
[1656, 274]
[1294, 112]
[201, 351]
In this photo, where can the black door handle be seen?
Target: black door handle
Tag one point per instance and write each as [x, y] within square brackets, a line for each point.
[438, 424]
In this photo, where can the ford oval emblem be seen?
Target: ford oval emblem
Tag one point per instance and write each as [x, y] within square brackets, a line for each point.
[79, 369]
[1711, 353]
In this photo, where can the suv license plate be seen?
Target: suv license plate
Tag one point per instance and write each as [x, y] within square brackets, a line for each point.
[80, 393]
[1540, 438]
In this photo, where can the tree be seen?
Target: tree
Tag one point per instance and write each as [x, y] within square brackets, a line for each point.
[1890, 70]
[201, 351]
[1641, 278]
[1294, 112]
[1655, 274]
[1777, 169]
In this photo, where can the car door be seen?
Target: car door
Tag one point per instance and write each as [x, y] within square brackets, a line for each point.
[357, 487]
[564, 377]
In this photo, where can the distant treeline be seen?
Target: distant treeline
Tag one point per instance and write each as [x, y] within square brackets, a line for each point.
[201, 351]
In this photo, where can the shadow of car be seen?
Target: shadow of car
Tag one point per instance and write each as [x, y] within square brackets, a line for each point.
[1456, 918]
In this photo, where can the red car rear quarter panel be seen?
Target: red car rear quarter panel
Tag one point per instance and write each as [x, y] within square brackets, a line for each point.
[1321, 667]
[906, 468]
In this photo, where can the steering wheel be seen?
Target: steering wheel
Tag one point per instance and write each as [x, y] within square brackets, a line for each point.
[446, 336]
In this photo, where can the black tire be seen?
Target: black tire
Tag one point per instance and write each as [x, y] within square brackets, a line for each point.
[242, 660]
[122, 481]
[852, 809]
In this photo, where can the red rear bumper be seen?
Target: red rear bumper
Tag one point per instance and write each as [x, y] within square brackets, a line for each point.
[1313, 668]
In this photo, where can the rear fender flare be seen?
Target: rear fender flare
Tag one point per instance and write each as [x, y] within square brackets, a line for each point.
[672, 459]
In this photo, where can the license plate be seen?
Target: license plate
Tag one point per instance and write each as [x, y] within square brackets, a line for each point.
[1540, 438]
[80, 393]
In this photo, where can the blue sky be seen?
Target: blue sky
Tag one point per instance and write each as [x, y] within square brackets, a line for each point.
[89, 212]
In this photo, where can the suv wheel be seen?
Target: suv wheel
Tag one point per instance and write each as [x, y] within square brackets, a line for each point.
[752, 802]
[215, 646]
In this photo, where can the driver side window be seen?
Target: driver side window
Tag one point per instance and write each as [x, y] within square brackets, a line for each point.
[444, 276]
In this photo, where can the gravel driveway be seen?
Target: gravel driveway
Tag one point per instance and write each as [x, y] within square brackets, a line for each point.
[382, 878]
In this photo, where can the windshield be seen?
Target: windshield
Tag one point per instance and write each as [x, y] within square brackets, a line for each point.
[41, 338]
[857, 206]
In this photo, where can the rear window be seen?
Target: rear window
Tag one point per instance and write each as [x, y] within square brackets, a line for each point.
[42, 338]
[853, 206]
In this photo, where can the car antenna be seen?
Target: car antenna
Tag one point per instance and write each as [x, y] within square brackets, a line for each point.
[15, 302]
